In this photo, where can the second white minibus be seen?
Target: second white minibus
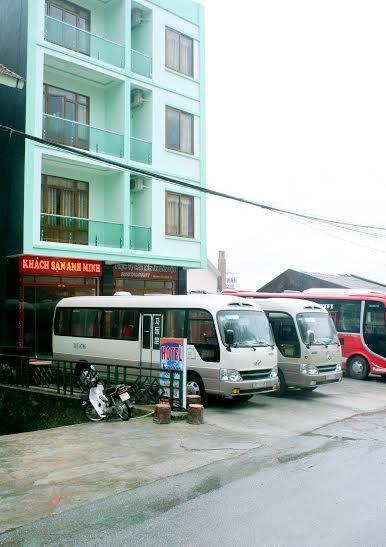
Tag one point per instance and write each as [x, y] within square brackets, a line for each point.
[309, 352]
[230, 352]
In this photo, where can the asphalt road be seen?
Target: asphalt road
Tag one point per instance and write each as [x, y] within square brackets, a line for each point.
[327, 487]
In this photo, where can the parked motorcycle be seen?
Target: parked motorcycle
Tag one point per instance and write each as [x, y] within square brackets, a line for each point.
[100, 401]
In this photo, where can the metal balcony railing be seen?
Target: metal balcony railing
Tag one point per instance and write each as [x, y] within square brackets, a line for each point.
[141, 63]
[80, 135]
[84, 42]
[140, 238]
[80, 231]
[140, 150]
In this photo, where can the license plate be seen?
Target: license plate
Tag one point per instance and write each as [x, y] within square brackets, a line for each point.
[330, 377]
[124, 396]
[260, 384]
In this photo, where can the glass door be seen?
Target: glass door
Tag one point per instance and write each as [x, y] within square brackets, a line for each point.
[151, 332]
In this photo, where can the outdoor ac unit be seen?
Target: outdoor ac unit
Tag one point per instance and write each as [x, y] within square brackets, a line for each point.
[137, 98]
[138, 185]
[136, 17]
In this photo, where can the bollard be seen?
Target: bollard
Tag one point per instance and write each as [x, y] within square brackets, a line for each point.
[193, 400]
[163, 414]
[195, 414]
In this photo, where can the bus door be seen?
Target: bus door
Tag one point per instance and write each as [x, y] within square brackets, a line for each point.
[151, 333]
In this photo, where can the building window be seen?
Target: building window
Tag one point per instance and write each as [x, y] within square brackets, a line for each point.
[69, 106]
[64, 201]
[179, 215]
[75, 18]
[179, 52]
[179, 130]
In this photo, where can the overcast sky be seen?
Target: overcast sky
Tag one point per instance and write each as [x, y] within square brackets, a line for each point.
[296, 116]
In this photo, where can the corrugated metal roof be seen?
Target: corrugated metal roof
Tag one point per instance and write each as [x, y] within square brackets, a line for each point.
[349, 281]
[4, 70]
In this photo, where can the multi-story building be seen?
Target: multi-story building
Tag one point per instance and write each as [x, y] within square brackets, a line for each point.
[122, 80]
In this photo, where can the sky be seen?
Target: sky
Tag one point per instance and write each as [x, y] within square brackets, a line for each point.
[296, 117]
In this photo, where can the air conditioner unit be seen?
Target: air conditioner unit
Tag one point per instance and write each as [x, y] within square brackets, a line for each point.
[136, 17]
[138, 185]
[137, 98]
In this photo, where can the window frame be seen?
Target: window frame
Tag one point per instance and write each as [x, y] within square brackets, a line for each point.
[178, 149]
[73, 9]
[167, 193]
[178, 71]
[76, 102]
[297, 345]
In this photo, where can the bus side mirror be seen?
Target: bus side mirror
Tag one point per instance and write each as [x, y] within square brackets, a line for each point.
[229, 337]
[310, 337]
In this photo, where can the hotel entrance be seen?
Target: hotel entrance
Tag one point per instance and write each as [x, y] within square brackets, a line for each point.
[30, 309]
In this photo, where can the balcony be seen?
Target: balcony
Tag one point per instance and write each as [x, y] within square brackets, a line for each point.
[80, 231]
[70, 133]
[140, 150]
[84, 42]
[141, 63]
[140, 238]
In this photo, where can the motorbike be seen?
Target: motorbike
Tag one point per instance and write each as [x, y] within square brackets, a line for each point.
[101, 401]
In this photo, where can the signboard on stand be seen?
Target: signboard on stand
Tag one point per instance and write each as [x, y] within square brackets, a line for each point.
[173, 369]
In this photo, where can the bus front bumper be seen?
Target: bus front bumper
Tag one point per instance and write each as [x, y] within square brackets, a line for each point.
[236, 389]
[306, 380]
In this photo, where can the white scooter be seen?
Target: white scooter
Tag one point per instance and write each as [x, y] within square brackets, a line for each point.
[100, 401]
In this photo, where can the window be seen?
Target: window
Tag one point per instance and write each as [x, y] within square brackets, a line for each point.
[76, 20]
[110, 326]
[179, 215]
[175, 324]
[285, 334]
[179, 130]
[179, 52]
[62, 322]
[128, 323]
[202, 334]
[85, 323]
[63, 107]
[345, 314]
[63, 200]
[374, 331]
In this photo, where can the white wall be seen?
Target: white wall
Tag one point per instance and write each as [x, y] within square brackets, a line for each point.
[202, 280]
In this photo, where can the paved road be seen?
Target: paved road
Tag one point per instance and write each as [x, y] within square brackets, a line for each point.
[327, 487]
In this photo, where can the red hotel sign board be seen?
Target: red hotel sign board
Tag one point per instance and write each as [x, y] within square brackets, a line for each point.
[46, 265]
[145, 271]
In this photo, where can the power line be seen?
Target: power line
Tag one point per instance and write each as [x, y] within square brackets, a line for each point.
[185, 184]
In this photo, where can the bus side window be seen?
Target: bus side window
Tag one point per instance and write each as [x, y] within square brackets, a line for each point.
[62, 321]
[110, 324]
[285, 334]
[175, 323]
[93, 321]
[202, 334]
[128, 324]
[345, 313]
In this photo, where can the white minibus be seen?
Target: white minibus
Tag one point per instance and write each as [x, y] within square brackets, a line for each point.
[230, 352]
[309, 352]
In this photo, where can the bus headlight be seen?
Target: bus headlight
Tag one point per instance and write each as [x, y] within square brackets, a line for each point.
[230, 375]
[338, 368]
[307, 368]
[274, 372]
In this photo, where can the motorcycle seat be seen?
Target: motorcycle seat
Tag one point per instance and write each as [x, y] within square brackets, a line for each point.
[109, 391]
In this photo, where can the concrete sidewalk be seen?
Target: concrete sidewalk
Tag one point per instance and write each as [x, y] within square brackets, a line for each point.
[46, 472]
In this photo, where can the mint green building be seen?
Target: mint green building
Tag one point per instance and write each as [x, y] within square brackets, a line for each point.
[125, 81]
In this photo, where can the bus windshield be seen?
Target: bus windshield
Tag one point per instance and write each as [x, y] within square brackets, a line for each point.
[321, 324]
[374, 330]
[251, 328]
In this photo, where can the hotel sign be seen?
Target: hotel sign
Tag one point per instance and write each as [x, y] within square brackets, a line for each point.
[45, 265]
[145, 271]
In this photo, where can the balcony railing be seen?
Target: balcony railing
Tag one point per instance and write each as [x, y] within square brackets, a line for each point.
[79, 135]
[141, 63]
[84, 42]
[80, 231]
[140, 150]
[140, 238]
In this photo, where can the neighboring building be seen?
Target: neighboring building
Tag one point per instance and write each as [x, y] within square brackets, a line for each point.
[124, 80]
[204, 280]
[10, 79]
[293, 280]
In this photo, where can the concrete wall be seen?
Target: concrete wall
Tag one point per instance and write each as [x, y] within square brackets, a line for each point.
[202, 280]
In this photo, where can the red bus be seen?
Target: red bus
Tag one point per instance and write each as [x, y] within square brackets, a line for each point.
[360, 319]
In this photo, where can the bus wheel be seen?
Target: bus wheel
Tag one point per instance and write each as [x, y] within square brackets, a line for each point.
[358, 368]
[282, 386]
[195, 386]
